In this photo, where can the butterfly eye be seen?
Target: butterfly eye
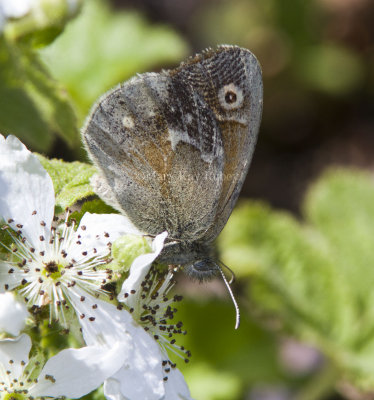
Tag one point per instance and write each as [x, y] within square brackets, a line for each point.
[230, 96]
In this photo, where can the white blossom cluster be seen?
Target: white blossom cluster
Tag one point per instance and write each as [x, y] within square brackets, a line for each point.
[58, 270]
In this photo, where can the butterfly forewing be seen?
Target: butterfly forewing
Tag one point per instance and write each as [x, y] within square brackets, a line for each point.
[159, 178]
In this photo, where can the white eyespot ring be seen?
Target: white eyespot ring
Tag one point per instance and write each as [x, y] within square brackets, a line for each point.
[230, 96]
[128, 122]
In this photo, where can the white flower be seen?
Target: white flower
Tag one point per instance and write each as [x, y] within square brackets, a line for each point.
[15, 8]
[61, 268]
[10, 9]
[146, 373]
[71, 373]
[145, 295]
[49, 267]
[13, 314]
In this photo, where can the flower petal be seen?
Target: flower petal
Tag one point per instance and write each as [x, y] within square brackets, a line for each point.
[13, 314]
[76, 372]
[112, 390]
[16, 350]
[141, 377]
[176, 387]
[9, 280]
[139, 270]
[25, 187]
[15, 9]
[101, 322]
[96, 230]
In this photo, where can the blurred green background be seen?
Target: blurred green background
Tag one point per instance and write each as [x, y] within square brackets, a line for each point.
[301, 238]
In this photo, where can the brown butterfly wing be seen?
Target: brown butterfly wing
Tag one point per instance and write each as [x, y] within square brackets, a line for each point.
[162, 178]
[174, 158]
[237, 71]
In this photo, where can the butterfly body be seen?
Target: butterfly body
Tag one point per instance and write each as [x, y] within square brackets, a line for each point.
[174, 148]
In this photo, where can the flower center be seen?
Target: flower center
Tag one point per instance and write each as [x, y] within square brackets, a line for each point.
[52, 270]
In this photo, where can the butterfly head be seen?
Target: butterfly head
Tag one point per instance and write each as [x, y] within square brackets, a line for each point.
[202, 270]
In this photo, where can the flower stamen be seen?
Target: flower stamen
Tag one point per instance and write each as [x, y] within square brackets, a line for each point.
[154, 310]
[44, 273]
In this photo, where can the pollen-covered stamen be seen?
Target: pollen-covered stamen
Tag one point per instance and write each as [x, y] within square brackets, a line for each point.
[46, 272]
[154, 311]
[167, 366]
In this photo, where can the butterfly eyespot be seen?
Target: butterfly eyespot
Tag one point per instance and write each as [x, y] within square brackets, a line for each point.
[230, 97]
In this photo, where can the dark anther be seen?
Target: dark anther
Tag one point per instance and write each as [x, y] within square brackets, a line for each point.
[51, 267]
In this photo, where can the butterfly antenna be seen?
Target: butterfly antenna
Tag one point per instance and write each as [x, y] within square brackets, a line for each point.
[237, 321]
[232, 279]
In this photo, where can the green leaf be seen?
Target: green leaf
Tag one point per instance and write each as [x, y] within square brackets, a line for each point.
[248, 353]
[71, 181]
[93, 205]
[102, 47]
[32, 105]
[315, 277]
[291, 265]
[205, 382]
[341, 206]
[19, 114]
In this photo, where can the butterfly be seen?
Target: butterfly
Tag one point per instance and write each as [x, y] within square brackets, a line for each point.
[174, 148]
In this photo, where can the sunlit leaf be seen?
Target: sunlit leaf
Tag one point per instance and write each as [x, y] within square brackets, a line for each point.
[71, 181]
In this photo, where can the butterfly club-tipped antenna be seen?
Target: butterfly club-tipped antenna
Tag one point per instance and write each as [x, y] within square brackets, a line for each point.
[227, 283]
